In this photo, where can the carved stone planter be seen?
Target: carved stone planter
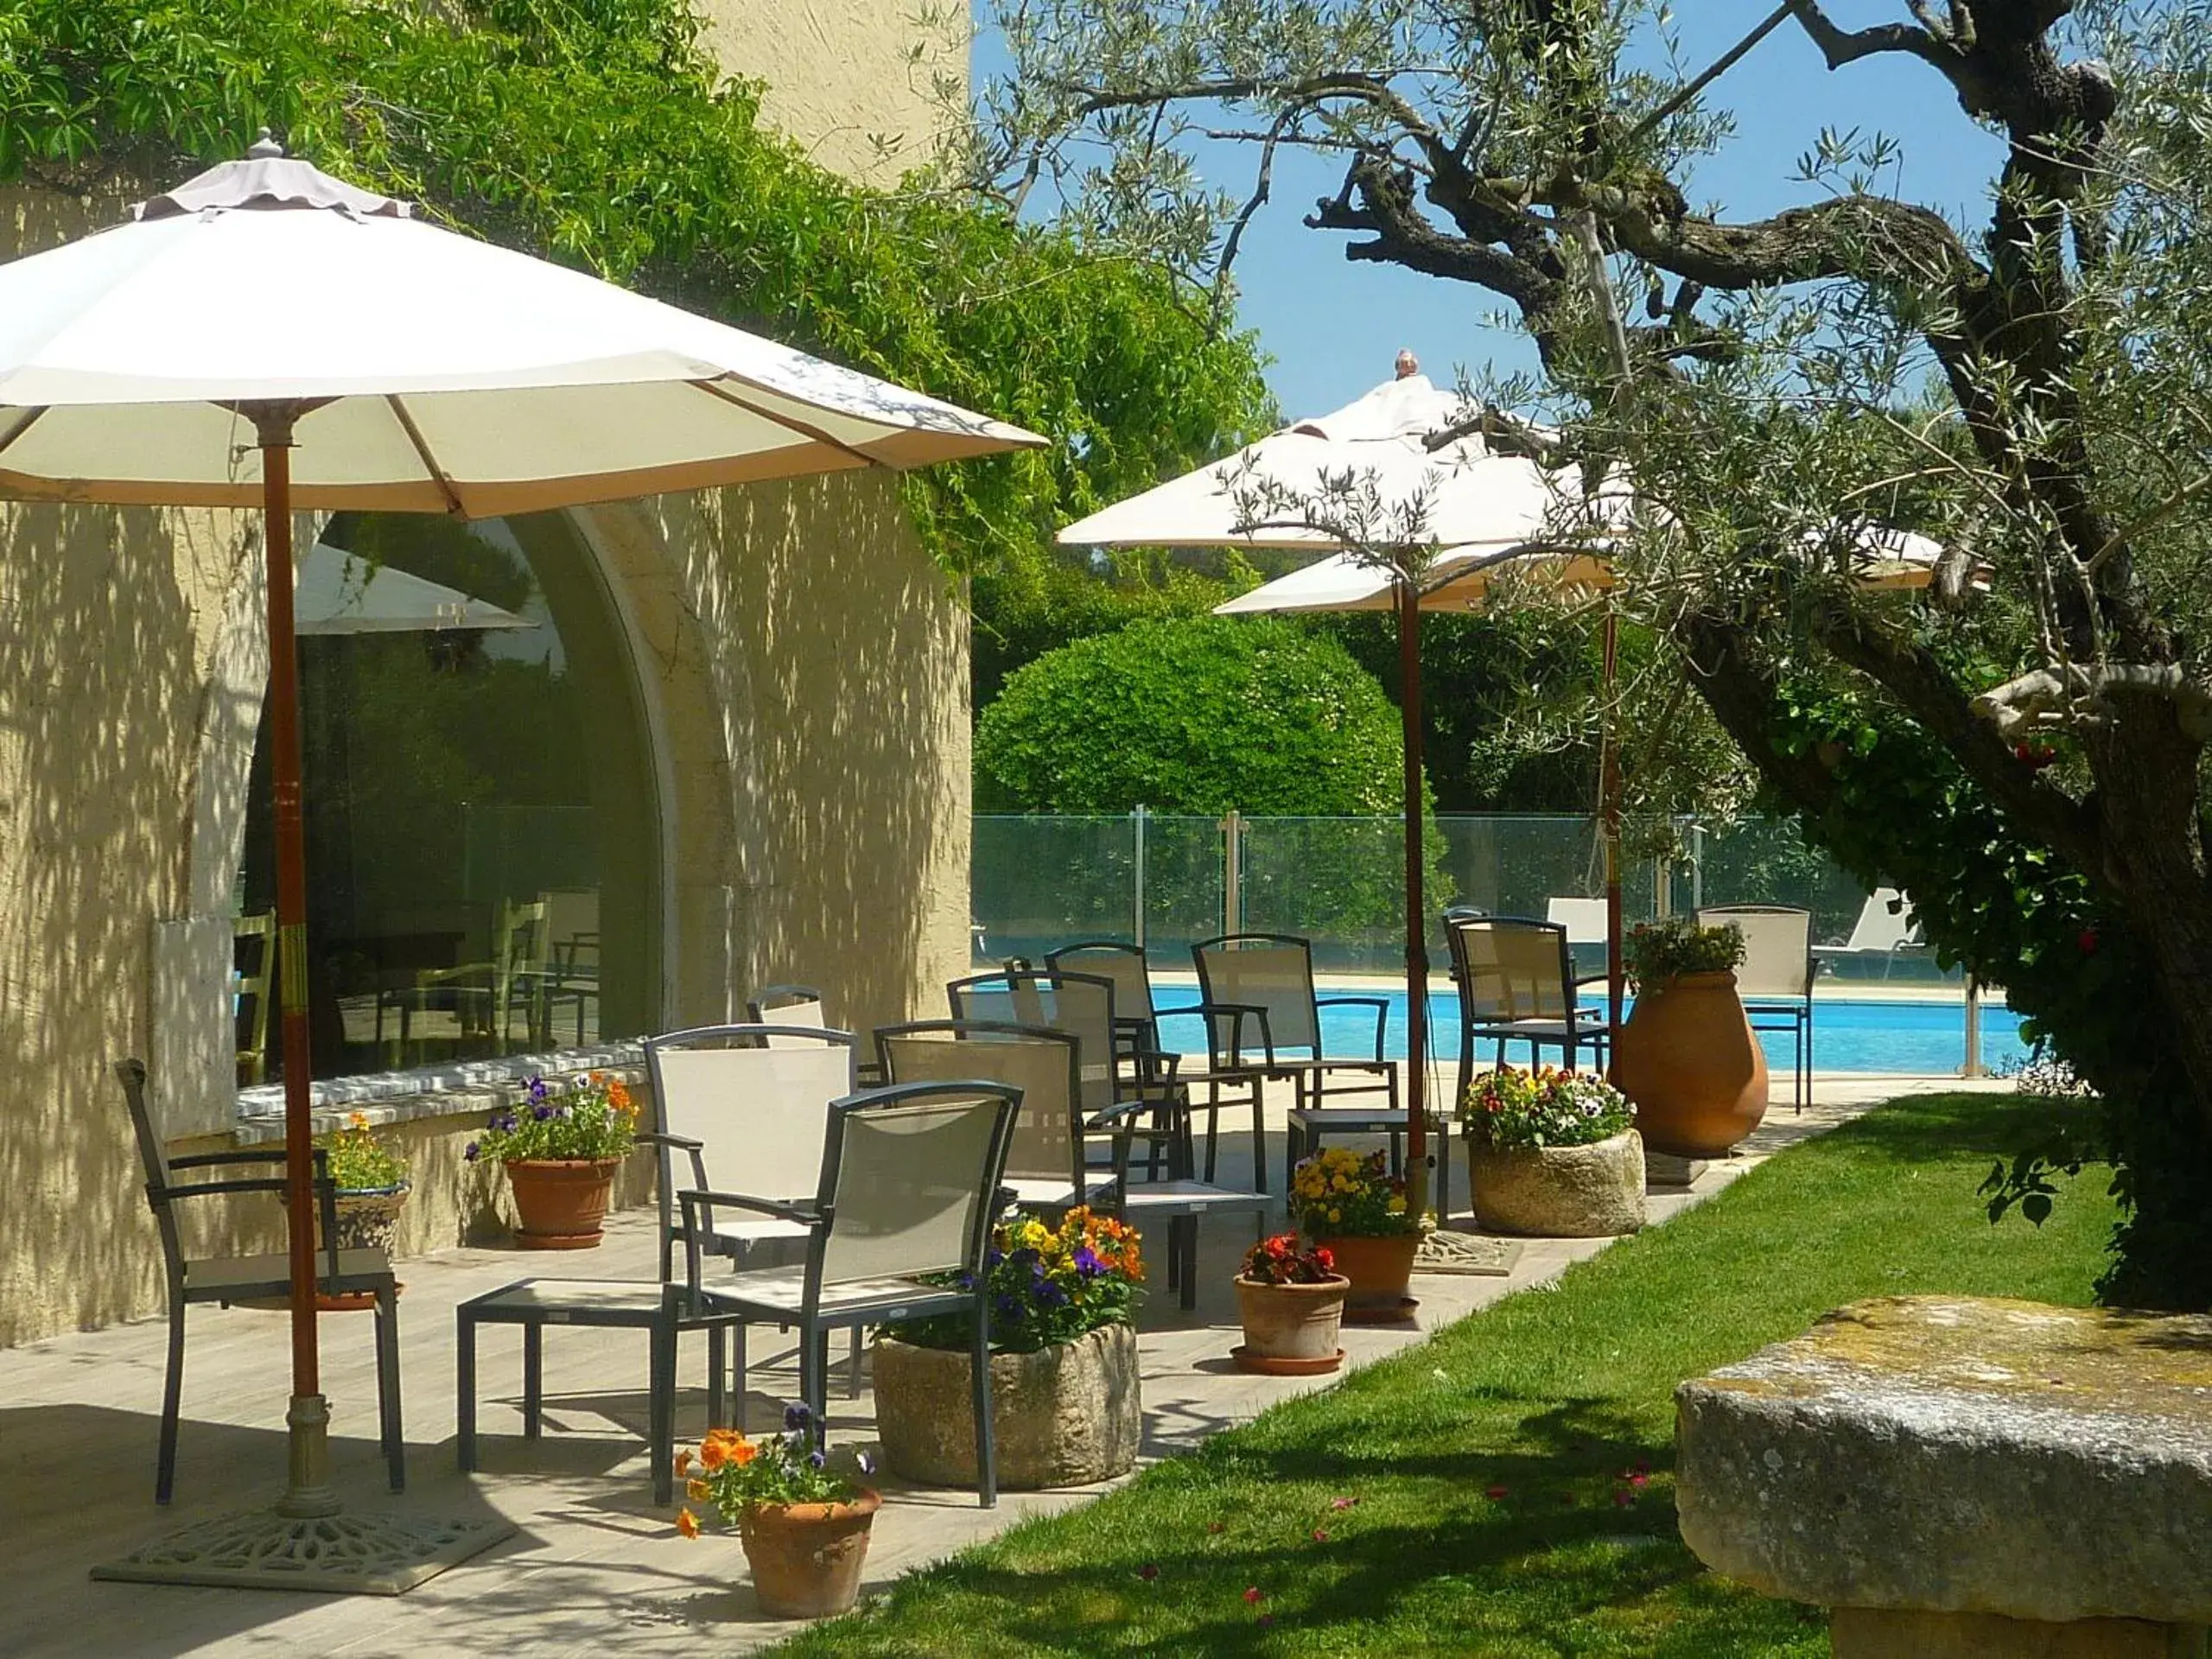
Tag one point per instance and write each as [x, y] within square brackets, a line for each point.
[1062, 1416]
[1592, 1192]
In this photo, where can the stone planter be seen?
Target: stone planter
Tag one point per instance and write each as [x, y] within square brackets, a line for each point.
[806, 1558]
[1686, 1057]
[1590, 1192]
[368, 1219]
[1291, 1330]
[1062, 1416]
[561, 1201]
[1380, 1268]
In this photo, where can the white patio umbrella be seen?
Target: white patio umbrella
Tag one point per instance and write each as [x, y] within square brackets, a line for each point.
[333, 591]
[267, 336]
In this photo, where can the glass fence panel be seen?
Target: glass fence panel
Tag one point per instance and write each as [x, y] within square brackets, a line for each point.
[1339, 882]
[1040, 881]
[1184, 880]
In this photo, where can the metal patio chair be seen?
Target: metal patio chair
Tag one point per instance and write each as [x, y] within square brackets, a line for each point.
[909, 1188]
[1263, 1018]
[225, 1280]
[755, 1098]
[802, 1005]
[1136, 1013]
[1516, 983]
[1776, 977]
[1045, 1168]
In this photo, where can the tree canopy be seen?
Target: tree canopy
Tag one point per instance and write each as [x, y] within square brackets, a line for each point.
[2022, 750]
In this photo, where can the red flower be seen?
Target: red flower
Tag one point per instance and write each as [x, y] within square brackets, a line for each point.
[1494, 1493]
[1326, 1260]
[1252, 1594]
[2088, 940]
[1217, 1526]
[1148, 1572]
[1320, 1535]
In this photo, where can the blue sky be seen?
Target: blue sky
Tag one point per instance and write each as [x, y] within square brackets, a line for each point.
[1333, 327]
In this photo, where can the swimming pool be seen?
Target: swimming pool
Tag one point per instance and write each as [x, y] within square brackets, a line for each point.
[1924, 1038]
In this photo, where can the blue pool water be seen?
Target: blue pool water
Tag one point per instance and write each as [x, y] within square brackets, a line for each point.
[1922, 1038]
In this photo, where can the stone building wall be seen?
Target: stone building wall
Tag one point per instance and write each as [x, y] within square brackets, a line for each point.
[806, 669]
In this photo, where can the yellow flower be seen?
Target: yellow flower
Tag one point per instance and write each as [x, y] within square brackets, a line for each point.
[1336, 1215]
[357, 1119]
[698, 1488]
[1396, 1207]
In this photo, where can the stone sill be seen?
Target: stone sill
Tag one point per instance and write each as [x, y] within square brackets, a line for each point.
[466, 1089]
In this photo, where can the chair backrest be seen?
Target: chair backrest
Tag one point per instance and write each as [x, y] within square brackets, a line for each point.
[520, 955]
[572, 930]
[1583, 919]
[909, 1180]
[1879, 926]
[759, 1111]
[1777, 947]
[255, 938]
[1272, 971]
[788, 1006]
[1043, 1063]
[1511, 968]
[1124, 964]
[1082, 1005]
[131, 1074]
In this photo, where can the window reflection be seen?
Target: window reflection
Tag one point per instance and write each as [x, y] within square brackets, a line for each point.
[480, 845]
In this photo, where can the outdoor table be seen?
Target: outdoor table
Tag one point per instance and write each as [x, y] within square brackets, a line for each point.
[664, 1311]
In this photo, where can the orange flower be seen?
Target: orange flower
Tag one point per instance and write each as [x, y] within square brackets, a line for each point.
[743, 1452]
[683, 1463]
[357, 1119]
[698, 1488]
[687, 1524]
[711, 1455]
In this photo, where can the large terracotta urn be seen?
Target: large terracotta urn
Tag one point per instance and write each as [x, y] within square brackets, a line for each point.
[1688, 1059]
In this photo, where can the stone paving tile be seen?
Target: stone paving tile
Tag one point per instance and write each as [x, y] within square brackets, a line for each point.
[594, 1563]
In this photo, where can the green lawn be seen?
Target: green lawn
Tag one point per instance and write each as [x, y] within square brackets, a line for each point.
[1505, 1488]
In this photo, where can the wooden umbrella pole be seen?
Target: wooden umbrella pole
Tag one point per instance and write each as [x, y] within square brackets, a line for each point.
[307, 1488]
[1609, 812]
[1416, 905]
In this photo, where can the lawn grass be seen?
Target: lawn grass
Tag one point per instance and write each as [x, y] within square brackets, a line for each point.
[1511, 1478]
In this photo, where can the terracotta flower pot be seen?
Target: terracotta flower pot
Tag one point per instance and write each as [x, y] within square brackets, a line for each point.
[561, 1201]
[1379, 1267]
[1687, 1059]
[806, 1558]
[1295, 1323]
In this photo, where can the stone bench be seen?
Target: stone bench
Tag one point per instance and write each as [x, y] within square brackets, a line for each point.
[1955, 1476]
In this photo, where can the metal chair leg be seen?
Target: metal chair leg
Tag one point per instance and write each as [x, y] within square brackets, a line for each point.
[660, 1411]
[172, 1398]
[388, 1383]
[464, 1369]
[533, 1381]
[853, 1367]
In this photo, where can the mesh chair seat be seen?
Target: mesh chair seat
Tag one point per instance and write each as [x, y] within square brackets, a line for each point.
[1188, 1197]
[783, 1290]
[260, 1276]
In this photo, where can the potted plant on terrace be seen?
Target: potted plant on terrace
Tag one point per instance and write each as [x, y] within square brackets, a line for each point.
[804, 1525]
[1292, 1302]
[1554, 1153]
[370, 1187]
[1065, 1408]
[1351, 1206]
[1687, 1055]
[561, 1152]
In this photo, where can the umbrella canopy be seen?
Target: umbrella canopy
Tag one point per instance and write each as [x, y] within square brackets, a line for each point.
[1464, 578]
[433, 372]
[266, 336]
[1473, 497]
[336, 593]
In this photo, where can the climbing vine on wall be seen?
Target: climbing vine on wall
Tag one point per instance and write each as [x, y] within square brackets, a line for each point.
[596, 132]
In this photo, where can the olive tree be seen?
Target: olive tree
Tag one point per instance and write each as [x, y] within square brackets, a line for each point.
[2022, 747]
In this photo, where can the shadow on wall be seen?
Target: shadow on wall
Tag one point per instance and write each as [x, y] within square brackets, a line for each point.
[105, 620]
[843, 671]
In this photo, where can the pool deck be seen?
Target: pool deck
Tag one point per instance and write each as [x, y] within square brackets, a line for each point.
[594, 1566]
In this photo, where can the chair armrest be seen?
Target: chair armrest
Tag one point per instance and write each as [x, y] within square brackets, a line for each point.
[1380, 1005]
[701, 1198]
[1236, 1013]
[678, 1143]
[1580, 980]
[209, 1189]
[245, 1155]
[427, 977]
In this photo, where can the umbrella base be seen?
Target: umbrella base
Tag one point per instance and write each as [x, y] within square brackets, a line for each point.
[347, 1554]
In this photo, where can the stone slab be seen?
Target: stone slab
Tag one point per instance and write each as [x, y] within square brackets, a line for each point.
[1959, 1455]
[1672, 1173]
[1873, 1633]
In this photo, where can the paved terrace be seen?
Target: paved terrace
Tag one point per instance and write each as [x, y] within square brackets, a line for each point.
[595, 1565]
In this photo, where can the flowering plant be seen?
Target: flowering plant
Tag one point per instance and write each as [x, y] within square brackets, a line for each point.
[360, 1160]
[736, 1474]
[1278, 1261]
[1544, 1108]
[1658, 952]
[596, 1119]
[1049, 1284]
[1341, 1194]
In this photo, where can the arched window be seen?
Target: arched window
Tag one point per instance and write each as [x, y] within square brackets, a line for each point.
[482, 840]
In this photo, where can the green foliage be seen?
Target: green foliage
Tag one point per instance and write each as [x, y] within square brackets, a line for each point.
[596, 134]
[1659, 951]
[1550, 1108]
[738, 1473]
[595, 1118]
[1192, 714]
[360, 1160]
[1341, 1193]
